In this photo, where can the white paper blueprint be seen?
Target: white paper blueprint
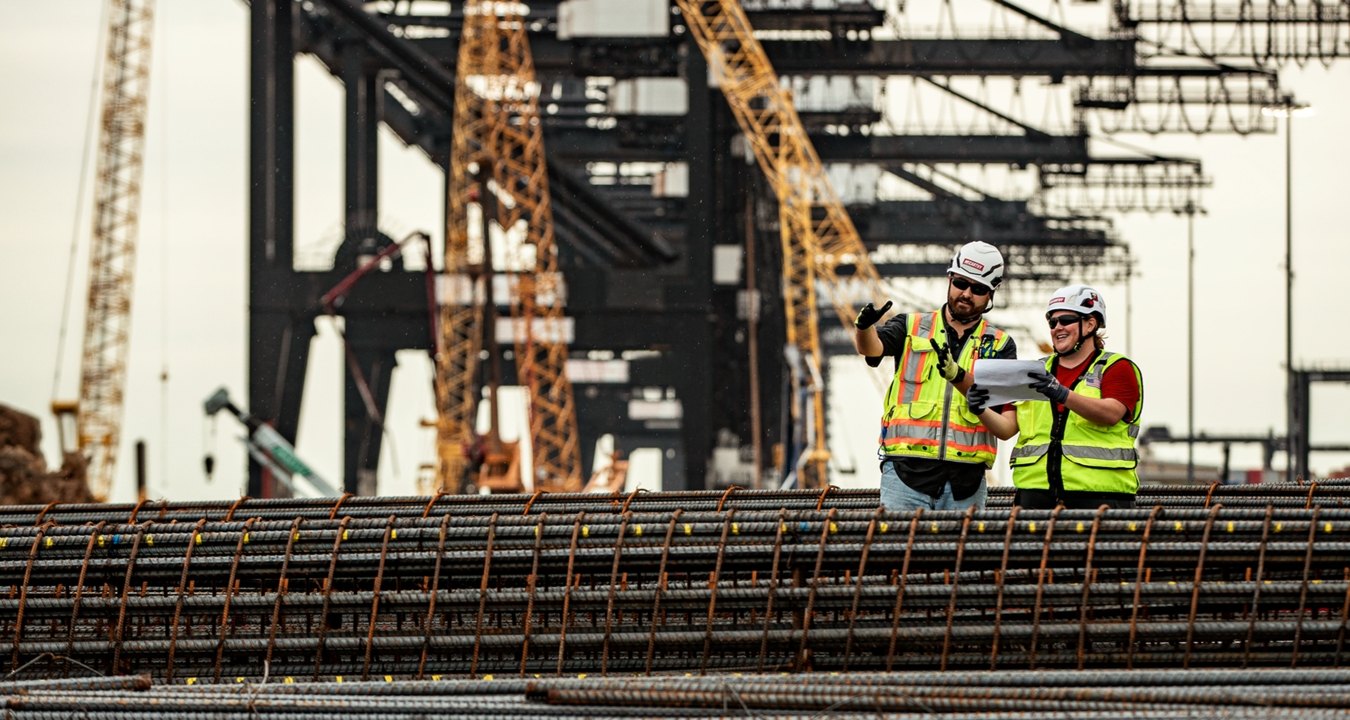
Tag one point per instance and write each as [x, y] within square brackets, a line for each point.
[1007, 380]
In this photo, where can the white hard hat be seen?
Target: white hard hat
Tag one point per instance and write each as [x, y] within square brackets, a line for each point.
[1080, 299]
[980, 262]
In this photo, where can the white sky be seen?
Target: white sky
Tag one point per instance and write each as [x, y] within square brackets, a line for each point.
[190, 287]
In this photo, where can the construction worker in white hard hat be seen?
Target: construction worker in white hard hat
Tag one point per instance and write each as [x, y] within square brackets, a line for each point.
[934, 451]
[1078, 449]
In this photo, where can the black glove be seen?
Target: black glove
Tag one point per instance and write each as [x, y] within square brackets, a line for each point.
[977, 398]
[947, 367]
[868, 315]
[1046, 384]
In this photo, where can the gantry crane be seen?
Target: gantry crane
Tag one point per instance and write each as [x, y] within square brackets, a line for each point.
[820, 242]
[97, 414]
[498, 141]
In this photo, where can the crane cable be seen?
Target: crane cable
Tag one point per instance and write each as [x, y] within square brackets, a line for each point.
[79, 200]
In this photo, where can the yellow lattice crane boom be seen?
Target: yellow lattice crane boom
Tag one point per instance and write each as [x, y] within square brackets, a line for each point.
[117, 199]
[820, 242]
[498, 136]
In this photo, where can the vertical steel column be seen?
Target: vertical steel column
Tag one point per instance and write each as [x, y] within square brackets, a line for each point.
[363, 122]
[278, 347]
[362, 433]
[692, 298]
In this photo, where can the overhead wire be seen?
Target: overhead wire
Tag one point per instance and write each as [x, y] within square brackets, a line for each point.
[76, 232]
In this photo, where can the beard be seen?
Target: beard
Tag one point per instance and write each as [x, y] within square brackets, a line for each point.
[964, 313]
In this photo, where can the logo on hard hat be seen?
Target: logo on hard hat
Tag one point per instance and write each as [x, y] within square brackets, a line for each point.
[971, 263]
[1056, 300]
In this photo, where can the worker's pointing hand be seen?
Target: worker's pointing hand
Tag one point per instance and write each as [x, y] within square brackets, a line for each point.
[977, 398]
[1046, 384]
[868, 315]
[947, 367]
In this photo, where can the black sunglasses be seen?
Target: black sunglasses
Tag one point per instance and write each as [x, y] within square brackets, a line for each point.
[975, 289]
[1065, 320]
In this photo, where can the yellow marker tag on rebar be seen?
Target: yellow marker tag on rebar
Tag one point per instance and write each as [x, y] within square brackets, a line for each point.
[885, 527]
[1279, 526]
[346, 534]
[536, 531]
[388, 678]
[196, 538]
[435, 677]
[586, 531]
[149, 539]
[49, 542]
[296, 536]
[980, 527]
[1178, 526]
[1031, 526]
[247, 537]
[393, 534]
[1326, 527]
[288, 680]
[239, 679]
[688, 529]
[782, 527]
[1134, 527]
[1079, 528]
[735, 528]
[4, 542]
[190, 681]
[338, 679]
[1230, 526]
[581, 676]
[834, 528]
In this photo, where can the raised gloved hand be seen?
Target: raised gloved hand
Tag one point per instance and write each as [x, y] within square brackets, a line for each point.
[1046, 384]
[868, 315]
[947, 367]
[977, 398]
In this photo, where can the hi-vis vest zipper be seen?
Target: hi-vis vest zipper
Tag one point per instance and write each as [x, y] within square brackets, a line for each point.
[1096, 458]
[925, 416]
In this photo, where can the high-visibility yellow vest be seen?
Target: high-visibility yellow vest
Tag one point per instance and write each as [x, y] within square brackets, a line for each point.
[1097, 458]
[925, 416]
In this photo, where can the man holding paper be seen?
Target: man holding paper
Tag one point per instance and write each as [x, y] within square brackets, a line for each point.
[1078, 449]
[934, 450]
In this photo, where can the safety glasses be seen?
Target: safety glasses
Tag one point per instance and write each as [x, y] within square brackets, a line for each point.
[1065, 320]
[975, 289]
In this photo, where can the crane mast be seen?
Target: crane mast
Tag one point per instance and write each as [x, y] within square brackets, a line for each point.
[498, 137]
[117, 200]
[819, 240]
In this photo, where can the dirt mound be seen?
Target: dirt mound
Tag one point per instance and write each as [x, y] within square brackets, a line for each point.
[24, 477]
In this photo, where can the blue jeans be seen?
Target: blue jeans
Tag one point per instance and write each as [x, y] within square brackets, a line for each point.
[896, 495]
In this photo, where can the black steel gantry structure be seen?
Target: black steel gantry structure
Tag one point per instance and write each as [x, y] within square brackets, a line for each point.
[639, 267]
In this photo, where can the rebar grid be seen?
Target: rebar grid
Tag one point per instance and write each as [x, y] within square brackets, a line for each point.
[700, 591]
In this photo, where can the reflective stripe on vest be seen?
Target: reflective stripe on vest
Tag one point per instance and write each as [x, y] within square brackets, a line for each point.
[927, 417]
[1096, 458]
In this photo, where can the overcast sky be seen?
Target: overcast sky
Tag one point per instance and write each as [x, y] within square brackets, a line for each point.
[188, 329]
